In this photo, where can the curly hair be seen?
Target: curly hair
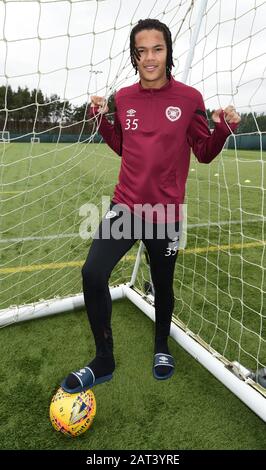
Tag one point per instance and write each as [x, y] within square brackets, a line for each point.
[150, 23]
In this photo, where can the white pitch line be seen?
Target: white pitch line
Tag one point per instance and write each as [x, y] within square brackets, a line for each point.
[75, 235]
[47, 237]
[218, 224]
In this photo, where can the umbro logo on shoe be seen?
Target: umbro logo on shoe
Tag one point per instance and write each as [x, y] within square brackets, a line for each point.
[110, 214]
[81, 372]
[163, 359]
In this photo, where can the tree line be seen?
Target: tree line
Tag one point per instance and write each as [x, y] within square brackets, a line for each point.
[32, 106]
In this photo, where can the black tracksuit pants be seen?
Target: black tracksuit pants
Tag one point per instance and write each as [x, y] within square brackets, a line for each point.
[103, 256]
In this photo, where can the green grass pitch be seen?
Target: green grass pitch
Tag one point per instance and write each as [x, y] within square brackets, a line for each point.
[219, 289]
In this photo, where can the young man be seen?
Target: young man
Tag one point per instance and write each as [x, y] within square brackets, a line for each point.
[157, 121]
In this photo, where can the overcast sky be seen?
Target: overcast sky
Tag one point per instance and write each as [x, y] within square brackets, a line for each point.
[80, 48]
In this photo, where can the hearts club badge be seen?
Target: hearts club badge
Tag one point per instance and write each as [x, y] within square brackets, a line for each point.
[173, 113]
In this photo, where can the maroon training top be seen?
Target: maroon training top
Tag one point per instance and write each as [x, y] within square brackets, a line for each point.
[154, 130]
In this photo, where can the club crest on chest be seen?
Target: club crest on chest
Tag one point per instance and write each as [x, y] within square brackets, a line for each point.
[173, 113]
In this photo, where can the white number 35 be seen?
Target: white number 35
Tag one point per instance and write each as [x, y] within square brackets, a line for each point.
[133, 126]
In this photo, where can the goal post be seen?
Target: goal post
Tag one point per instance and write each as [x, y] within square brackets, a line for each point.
[49, 192]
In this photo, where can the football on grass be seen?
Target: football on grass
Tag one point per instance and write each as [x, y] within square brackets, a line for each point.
[72, 413]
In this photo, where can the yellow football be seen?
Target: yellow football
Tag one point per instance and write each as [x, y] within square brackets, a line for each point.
[72, 413]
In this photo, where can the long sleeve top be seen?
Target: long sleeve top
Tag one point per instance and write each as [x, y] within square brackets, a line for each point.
[154, 130]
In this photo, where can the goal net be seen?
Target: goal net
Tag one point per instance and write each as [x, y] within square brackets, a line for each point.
[35, 140]
[4, 137]
[54, 55]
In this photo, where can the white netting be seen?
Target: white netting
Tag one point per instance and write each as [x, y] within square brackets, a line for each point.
[59, 53]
